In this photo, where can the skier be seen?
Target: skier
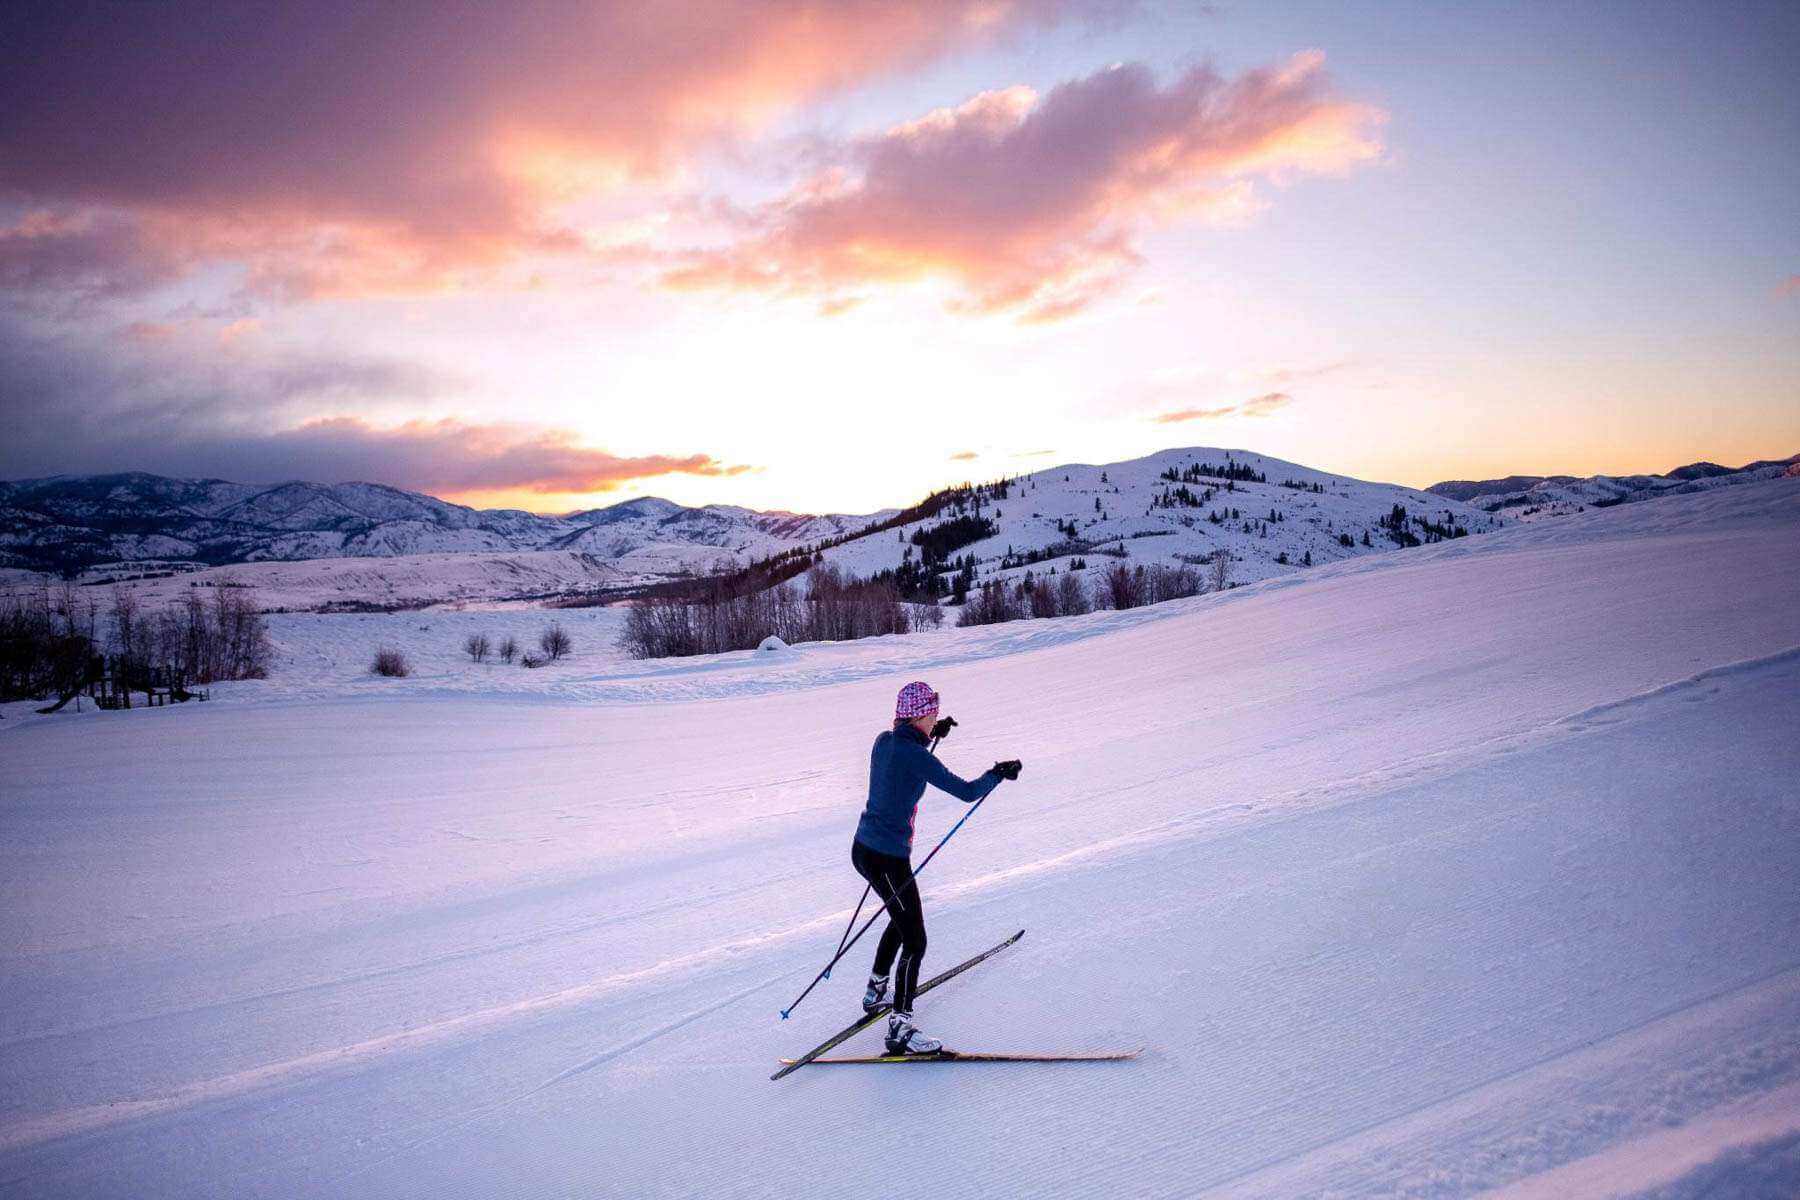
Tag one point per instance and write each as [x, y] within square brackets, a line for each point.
[900, 766]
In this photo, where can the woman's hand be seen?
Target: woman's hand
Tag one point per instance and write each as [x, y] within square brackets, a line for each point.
[1009, 769]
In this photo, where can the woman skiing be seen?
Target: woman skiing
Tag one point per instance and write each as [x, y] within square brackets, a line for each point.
[900, 766]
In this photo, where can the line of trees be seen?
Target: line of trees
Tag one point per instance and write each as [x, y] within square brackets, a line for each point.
[554, 641]
[830, 605]
[53, 639]
[1119, 586]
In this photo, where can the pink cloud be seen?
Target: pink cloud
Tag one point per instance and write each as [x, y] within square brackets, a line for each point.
[1032, 205]
[350, 148]
[1256, 406]
[1788, 286]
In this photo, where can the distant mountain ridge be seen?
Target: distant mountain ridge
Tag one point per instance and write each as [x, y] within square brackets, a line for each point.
[70, 522]
[1532, 497]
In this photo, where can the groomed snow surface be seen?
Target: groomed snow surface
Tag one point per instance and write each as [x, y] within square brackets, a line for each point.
[1459, 869]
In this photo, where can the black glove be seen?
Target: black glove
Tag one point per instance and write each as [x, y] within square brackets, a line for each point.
[942, 729]
[1009, 769]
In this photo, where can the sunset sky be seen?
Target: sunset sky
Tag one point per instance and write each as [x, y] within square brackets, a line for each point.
[825, 256]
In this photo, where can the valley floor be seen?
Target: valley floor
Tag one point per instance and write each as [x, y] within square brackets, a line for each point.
[1461, 869]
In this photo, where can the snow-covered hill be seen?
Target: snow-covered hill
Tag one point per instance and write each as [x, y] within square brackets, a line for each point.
[1182, 506]
[80, 521]
[1536, 497]
[1423, 874]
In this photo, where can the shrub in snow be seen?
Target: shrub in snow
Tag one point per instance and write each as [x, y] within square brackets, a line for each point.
[509, 649]
[554, 642]
[772, 643]
[477, 646]
[532, 660]
[390, 663]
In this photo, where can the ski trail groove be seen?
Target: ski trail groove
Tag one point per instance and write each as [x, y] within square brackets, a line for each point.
[1216, 1187]
[1746, 666]
[627, 1047]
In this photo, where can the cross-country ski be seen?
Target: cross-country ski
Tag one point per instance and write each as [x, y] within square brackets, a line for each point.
[967, 1056]
[880, 1011]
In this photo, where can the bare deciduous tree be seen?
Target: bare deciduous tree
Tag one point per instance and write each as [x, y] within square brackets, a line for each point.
[509, 648]
[1124, 586]
[1218, 571]
[993, 604]
[1072, 595]
[555, 641]
[477, 647]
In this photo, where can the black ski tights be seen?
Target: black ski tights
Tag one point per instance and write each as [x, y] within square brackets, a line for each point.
[892, 879]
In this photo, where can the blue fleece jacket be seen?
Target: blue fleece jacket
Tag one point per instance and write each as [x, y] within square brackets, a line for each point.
[900, 766]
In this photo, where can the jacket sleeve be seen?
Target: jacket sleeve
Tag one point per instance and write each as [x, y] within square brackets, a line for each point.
[940, 776]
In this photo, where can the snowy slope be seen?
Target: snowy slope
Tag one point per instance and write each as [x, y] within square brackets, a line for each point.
[1115, 506]
[1418, 874]
[407, 581]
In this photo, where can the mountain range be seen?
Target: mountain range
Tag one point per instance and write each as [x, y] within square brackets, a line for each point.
[67, 523]
[310, 545]
[1534, 497]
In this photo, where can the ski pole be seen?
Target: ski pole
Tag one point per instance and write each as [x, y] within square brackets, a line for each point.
[844, 942]
[873, 917]
[867, 887]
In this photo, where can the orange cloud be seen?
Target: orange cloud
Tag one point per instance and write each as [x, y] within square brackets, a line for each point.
[453, 456]
[1193, 414]
[1257, 406]
[1031, 205]
[345, 149]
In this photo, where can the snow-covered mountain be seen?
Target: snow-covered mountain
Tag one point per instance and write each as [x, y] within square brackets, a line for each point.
[1535, 497]
[1173, 507]
[78, 521]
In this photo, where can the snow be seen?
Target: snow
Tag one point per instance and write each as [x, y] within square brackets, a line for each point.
[1428, 873]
